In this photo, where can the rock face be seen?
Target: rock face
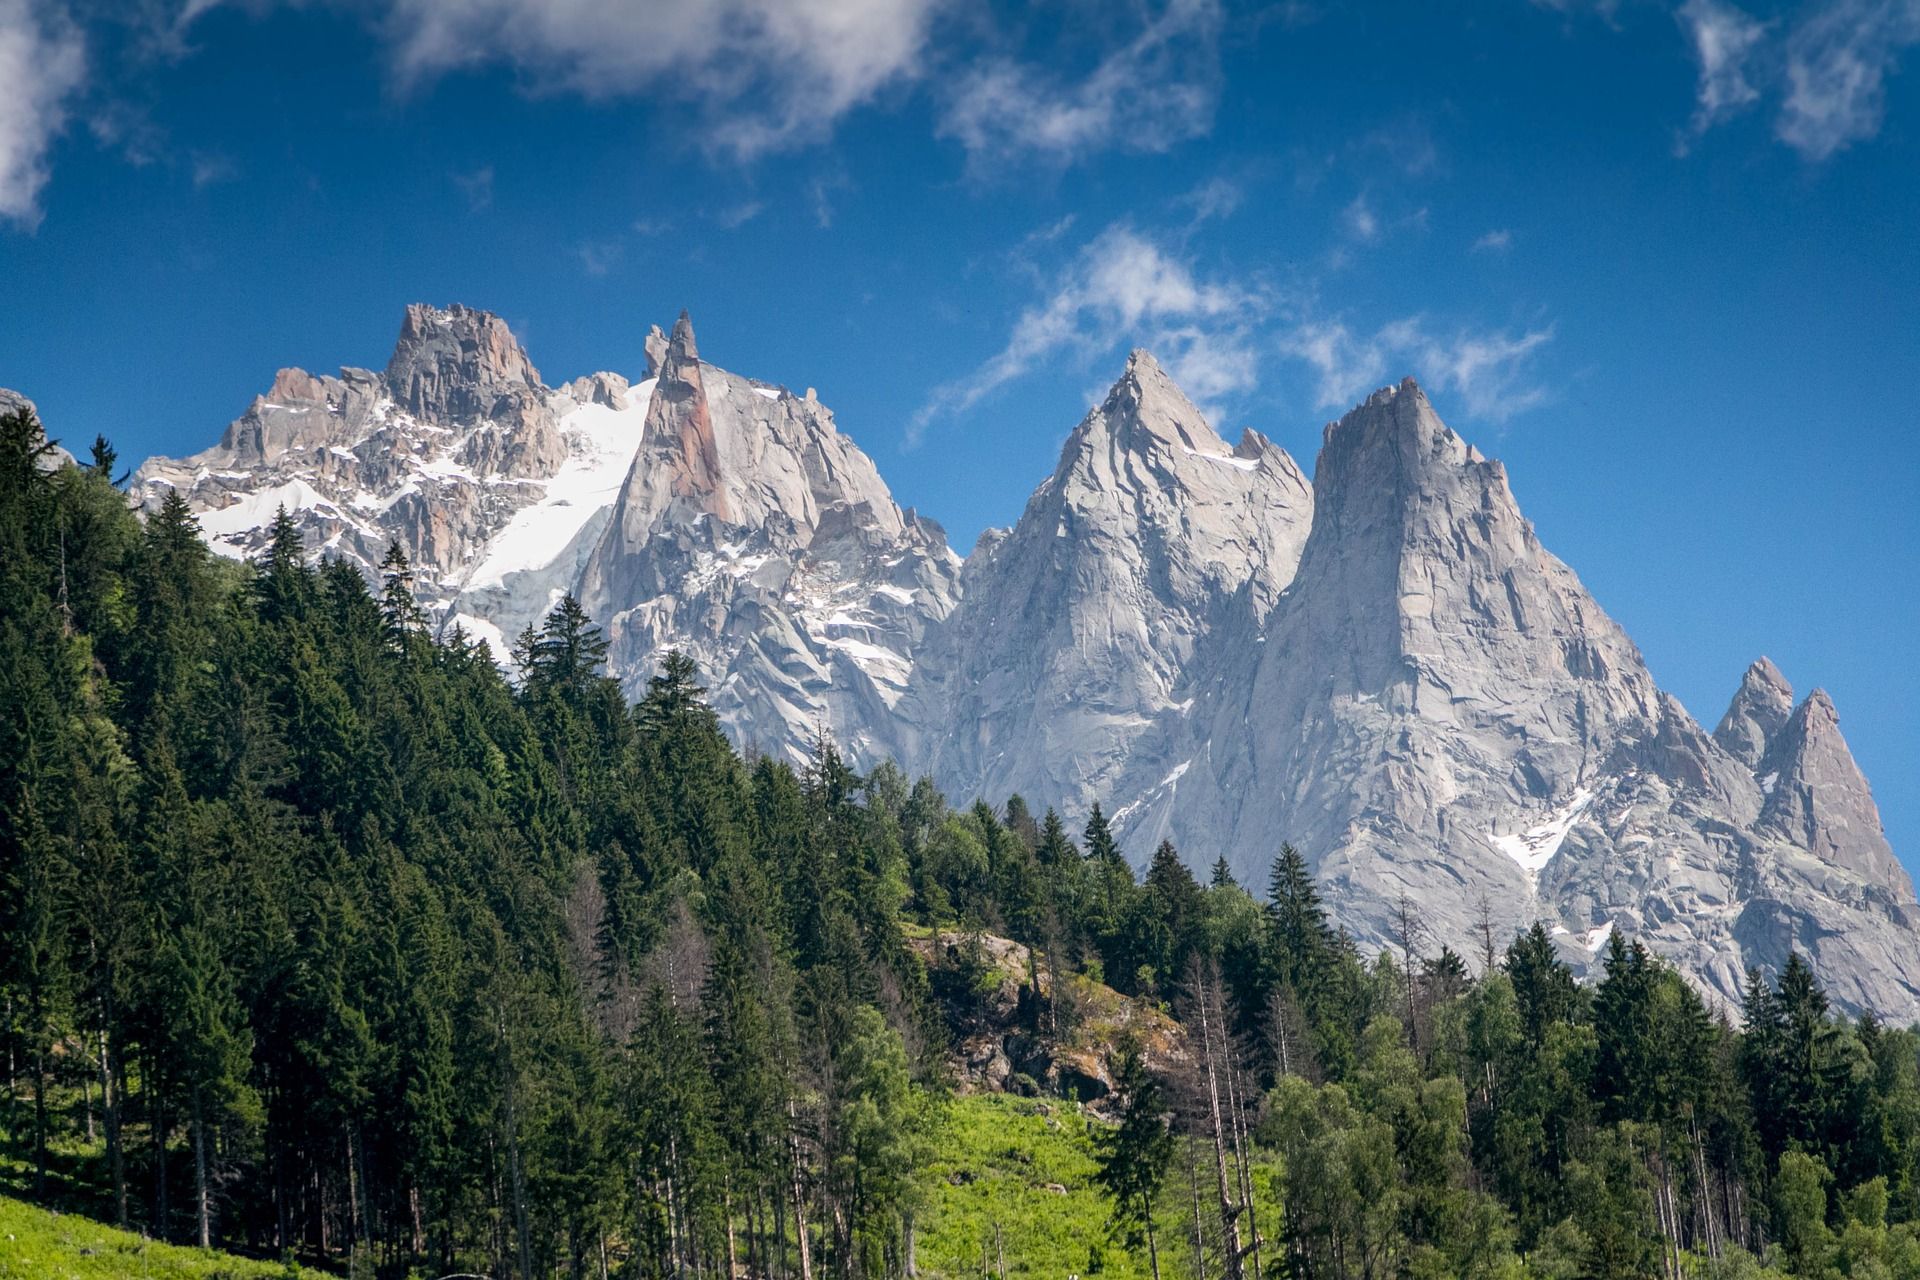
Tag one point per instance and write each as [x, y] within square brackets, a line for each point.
[1437, 712]
[441, 451]
[1076, 630]
[752, 534]
[1384, 666]
[1760, 710]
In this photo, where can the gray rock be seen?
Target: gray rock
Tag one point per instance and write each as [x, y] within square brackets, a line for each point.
[1076, 629]
[1759, 710]
[753, 535]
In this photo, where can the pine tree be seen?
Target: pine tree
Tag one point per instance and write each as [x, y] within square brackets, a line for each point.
[1134, 1155]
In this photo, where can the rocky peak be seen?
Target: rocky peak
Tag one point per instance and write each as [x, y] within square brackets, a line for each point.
[458, 364]
[655, 348]
[1078, 626]
[680, 423]
[1760, 709]
[1817, 797]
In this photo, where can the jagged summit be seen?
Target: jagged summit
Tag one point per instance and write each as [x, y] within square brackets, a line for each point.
[1817, 797]
[454, 362]
[1760, 709]
[1076, 629]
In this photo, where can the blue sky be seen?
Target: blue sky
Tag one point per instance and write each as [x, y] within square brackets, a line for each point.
[1660, 258]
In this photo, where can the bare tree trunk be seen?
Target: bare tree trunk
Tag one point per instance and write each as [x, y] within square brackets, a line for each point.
[1193, 1186]
[202, 1207]
[799, 1196]
[110, 1115]
[39, 1122]
[1204, 1000]
[726, 1204]
[1243, 1152]
[1153, 1246]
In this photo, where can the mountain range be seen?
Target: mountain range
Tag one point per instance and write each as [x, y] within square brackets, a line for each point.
[1381, 665]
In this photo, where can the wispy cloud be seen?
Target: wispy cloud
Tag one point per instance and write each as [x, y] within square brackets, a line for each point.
[477, 186]
[735, 216]
[1216, 198]
[42, 67]
[1725, 41]
[1158, 89]
[1837, 66]
[1360, 221]
[210, 169]
[598, 257]
[1122, 286]
[1498, 240]
[1488, 370]
[1827, 65]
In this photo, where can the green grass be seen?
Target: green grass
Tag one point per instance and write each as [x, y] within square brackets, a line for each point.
[1027, 1165]
[37, 1244]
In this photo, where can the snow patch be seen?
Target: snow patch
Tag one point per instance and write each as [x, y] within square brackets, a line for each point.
[601, 443]
[1534, 848]
[1241, 464]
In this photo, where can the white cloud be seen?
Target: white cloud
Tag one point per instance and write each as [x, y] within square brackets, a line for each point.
[1360, 220]
[733, 217]
[1157, 90]
[768, 73]
[42, 66]
[1724, 43]
[1837, 65]
[598, 257]
[1122, 287]
[1498, 240]
[1215, 198]
[1487, 370]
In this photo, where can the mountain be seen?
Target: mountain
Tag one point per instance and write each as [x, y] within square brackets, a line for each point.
[457, 450]
[752, 534]
[1076, 629]
[1382, 666]
[1439, 714]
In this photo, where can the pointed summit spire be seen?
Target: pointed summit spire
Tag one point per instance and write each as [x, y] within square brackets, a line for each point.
[1818, 798]
[655, 347]
[1760, 709]
[682, 344]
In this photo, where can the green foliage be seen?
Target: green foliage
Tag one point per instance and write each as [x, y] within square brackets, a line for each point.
[37, 1244]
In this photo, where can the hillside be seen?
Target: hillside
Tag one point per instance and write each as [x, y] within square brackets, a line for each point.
[38, 1244]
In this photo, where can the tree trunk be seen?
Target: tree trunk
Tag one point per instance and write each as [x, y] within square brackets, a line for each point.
[799, 1197]
[1153, 1247]
[1193, 1185]
[202, 1206]
[39, 1123]
[110, 1117]
[1229, 1211]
